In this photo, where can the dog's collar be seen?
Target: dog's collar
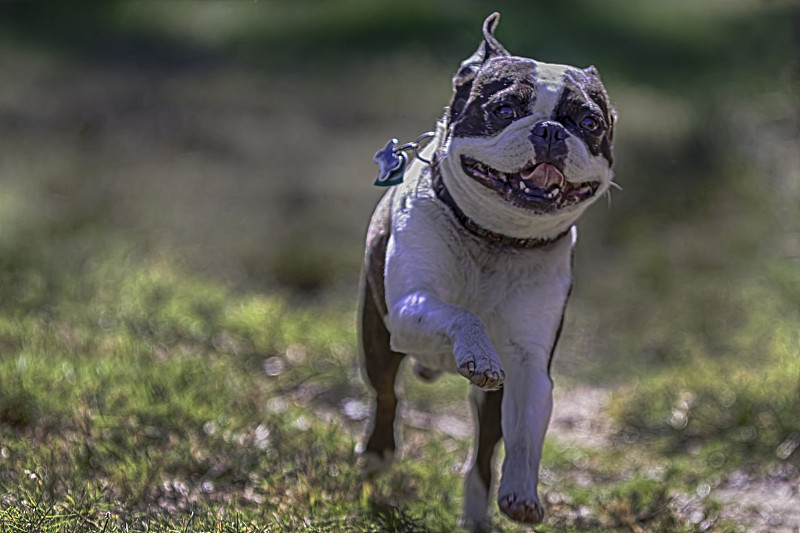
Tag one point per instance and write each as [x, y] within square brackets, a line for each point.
[476, 229]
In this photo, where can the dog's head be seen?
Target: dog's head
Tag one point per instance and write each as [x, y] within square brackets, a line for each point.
[526, 145]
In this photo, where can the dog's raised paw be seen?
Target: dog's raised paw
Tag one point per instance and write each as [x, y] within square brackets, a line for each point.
[526, 510]
[482, 370]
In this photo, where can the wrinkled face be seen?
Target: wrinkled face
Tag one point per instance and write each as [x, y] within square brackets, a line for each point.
[532, 135]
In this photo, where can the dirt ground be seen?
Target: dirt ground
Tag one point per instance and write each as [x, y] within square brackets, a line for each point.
[768, 504]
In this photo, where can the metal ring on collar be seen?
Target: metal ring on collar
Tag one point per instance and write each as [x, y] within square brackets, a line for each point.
[415, 146]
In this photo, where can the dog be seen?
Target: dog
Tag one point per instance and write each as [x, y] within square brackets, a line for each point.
[468, 263]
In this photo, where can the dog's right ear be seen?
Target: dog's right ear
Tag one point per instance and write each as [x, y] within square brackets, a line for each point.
[489, 47]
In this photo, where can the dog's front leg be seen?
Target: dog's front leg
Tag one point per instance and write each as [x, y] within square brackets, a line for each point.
[421, 323]
[526, 409]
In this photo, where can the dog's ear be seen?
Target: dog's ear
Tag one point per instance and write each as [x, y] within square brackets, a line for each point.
[489, 47]
[591, 70]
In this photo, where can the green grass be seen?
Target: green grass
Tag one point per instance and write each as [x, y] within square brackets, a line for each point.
[169, 402]
[740, 399]
[137, 396]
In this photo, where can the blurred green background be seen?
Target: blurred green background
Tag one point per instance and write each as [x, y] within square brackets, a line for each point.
[240, 135]
[235, 139]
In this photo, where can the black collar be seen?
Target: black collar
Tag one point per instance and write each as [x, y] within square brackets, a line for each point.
[476, 229]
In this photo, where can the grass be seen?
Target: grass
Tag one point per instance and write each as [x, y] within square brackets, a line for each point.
[137, 396]
[141, 397]
[737, 407]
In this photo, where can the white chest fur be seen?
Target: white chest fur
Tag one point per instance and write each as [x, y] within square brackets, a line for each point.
[518, 294]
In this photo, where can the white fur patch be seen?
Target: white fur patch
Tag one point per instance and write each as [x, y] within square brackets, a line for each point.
[447, 290]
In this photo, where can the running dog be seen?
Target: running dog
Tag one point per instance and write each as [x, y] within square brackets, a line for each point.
[468, 263]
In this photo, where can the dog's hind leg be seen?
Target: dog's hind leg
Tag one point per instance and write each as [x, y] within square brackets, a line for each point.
[488, 432]
[381, 365]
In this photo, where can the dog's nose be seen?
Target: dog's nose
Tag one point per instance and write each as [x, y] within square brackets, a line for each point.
[549, 140]
[549, 131]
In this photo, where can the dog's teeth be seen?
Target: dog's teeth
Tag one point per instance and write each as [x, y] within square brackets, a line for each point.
[555, 192]
[522, 186]
[527, 190]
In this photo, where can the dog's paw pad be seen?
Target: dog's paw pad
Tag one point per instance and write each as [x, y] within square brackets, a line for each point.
[526, 510]
[487, 379]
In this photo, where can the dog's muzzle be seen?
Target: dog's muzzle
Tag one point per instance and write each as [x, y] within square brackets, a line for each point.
[541, 187]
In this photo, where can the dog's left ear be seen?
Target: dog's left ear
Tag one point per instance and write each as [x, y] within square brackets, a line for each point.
[489, 47]
[591, 70]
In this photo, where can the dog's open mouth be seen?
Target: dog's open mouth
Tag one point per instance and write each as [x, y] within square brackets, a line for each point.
[542, 185]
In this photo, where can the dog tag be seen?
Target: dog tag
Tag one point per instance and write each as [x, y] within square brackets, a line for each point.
[392, 165]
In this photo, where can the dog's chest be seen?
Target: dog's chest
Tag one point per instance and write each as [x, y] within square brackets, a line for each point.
[431, 251]
[487, 279]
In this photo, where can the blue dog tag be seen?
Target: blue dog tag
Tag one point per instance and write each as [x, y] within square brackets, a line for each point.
[392, 164]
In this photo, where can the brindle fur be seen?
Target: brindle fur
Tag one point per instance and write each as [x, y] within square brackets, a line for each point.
[379, 361]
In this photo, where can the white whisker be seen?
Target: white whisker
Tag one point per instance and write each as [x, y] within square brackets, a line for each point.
[608, 191]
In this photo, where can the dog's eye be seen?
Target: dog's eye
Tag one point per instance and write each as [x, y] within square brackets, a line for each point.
[504, 112]
[590, 123]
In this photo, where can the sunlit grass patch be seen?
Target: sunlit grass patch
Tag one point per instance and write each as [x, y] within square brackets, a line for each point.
[136, 395]
[139, 396]
[162, 391]
[132, 387]
[731, 396]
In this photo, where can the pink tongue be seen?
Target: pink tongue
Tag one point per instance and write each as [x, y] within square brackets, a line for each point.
[544, 176]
